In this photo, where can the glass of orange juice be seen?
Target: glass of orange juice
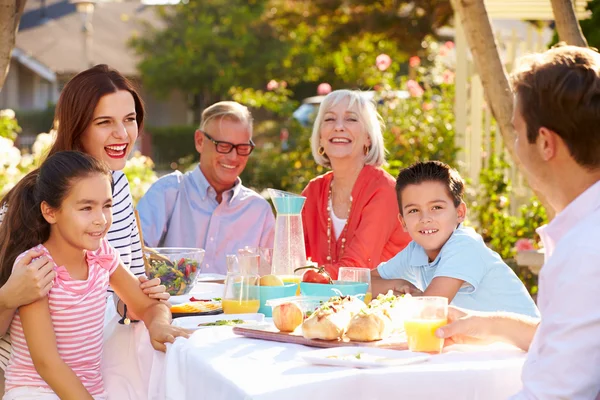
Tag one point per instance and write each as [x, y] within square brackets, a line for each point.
[354, 274]
[424, 316]
[242, 289]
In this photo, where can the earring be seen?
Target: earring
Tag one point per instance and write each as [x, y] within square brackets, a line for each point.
[366, 150]
[321, 150]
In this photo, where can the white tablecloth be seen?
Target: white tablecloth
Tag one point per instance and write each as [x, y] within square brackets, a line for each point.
[217, 364]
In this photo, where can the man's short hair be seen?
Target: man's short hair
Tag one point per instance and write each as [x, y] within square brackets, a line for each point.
[431, 171]
[560, 90]
[229, 110]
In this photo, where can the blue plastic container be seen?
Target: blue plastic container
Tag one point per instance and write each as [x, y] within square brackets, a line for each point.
[326, 290]
[274, 292]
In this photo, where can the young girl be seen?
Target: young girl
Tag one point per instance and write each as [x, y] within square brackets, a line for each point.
[64, 210]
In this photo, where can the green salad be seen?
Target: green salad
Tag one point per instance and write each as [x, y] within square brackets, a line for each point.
[178, 276]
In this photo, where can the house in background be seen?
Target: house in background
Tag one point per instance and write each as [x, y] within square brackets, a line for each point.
[50, 49]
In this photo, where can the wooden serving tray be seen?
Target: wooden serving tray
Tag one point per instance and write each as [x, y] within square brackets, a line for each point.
[269, 332]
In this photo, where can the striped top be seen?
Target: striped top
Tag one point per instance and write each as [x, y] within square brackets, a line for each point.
[123, 236]
[77, 310]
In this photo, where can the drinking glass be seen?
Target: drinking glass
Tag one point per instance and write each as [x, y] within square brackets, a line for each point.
[242, 293]
[424, 316]
[355, 274]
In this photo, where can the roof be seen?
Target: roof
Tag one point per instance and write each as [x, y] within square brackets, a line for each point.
[54, 38]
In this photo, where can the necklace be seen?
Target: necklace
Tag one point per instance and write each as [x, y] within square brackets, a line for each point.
[330, 232]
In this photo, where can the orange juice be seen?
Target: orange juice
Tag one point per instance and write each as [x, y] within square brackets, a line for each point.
[234, 306]
[421, 334]
[292, 279]
[368, 297]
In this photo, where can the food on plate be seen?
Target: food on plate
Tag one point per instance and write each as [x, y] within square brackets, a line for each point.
[331, 319]
[369, 325]
[361, 356]
[224, 322]
[196, 307]
[287, 316]
[315, 274]
[271, 280]
[176, 276]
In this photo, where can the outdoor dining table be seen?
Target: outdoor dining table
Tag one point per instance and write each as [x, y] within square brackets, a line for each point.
[215, 363]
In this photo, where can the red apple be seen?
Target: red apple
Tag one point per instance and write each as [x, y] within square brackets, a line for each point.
[287, 316]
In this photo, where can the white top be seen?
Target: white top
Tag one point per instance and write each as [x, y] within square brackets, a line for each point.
[338, 223]
[564, 357]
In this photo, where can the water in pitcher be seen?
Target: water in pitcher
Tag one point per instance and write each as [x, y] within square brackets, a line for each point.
[289, 252]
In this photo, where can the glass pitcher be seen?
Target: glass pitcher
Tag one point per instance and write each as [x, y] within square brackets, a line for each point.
[289, 252]
[242, 285]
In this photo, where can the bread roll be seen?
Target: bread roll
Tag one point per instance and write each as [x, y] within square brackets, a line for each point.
[330, 321]
[369, 326]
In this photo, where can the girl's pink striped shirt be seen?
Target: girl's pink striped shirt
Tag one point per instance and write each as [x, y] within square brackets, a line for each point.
[77, 310]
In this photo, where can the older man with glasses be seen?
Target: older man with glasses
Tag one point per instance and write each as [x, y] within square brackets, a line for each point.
[209, 207]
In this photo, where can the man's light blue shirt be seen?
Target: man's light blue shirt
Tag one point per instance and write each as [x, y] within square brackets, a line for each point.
[489, 284]
[181, 210]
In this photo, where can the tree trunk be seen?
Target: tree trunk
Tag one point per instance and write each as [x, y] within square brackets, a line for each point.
[567, 25]
[10, 15]
[498, 94]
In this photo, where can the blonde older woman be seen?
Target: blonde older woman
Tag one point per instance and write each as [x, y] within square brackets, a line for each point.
[351, 213]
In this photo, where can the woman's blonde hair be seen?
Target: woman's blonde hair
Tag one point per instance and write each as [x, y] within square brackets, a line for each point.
[229, 110]
[368, 116]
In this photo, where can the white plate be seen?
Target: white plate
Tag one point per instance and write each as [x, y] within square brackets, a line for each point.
[209, 277]
[192, 322]
[370, 357]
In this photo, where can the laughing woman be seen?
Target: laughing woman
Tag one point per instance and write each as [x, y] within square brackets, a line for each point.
[99, 113]
[351, 214]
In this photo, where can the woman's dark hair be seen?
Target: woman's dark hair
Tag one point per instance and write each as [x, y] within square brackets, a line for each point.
[24, 226]
[431, 171]
[78, 100]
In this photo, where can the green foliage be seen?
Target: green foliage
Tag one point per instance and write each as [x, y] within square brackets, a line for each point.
[206, 47]
[172, 145]
[499, 229]
[9, 128]
[420, 128]
[140, 174]
[36, 121]
[591, 26]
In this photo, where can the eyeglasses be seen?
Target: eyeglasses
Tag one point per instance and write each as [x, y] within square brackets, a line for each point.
[243, 149]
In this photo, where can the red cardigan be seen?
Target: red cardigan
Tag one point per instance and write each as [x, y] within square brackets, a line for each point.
[374, 233]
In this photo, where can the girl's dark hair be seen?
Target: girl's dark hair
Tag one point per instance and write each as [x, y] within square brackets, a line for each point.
[78, 100]
[431, 171]
[24, 226]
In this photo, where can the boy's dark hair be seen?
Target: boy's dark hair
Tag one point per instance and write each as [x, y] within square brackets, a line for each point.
[431, 171]
[24, 225]
[560, 90]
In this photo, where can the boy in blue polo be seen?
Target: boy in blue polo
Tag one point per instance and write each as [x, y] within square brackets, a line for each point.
[445, 258]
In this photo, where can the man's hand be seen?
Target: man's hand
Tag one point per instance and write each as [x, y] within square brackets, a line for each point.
[466, 327]
[153, 289]
[161, 333]
[29, 281]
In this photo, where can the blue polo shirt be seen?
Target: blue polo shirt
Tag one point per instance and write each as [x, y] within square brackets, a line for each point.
[489, 284]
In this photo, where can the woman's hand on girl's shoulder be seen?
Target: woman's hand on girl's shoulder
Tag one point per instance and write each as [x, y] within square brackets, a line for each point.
[161, 333]
[31, 279]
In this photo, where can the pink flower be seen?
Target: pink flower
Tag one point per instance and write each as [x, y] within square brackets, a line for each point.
[323, 89]
[272, 85]
[383, 62]
[414, 61]
[524, 245]
[448, 76]
[283, 84]
[414, 88]
[427, 106]
[449, 45]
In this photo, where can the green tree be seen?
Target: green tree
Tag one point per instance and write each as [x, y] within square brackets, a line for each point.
[203, 48]
[591, 27]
